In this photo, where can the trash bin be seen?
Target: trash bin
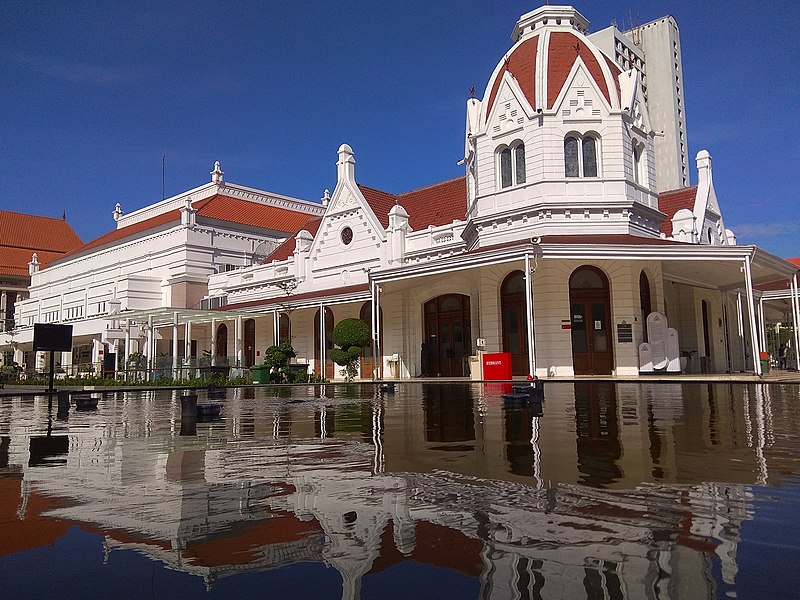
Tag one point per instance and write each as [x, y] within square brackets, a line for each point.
[764, 356]
[260, 373]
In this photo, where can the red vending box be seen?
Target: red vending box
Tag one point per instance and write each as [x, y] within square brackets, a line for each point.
[497, 366]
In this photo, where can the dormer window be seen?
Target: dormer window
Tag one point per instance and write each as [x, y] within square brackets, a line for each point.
[580, 156]
[512, 165]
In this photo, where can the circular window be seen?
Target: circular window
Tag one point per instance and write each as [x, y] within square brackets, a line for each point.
[347, 236]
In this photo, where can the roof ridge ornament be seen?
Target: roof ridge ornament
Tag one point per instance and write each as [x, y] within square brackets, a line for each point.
[217, 175]
[117, 212]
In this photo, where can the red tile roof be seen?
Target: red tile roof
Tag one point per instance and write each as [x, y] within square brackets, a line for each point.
[21, 235]
[437, 204]
[672, 201]
[286, 249]
[243, 212]
[565, 48]
[217, 207]
[522, 65]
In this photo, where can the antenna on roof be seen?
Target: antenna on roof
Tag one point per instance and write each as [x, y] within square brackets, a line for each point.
[64, 216]
[163, 169]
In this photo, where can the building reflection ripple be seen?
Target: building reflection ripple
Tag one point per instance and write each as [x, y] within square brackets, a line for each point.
[609, 490]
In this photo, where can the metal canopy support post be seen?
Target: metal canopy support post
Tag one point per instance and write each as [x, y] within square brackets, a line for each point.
[796, 320]
[529, 315]
[151, 334]
[175, 373]
[187, 347]
[239, 343]
[378, 348]
[762, 326]
[374, 329]
[322, 341]
[127, 347]
[748, 280]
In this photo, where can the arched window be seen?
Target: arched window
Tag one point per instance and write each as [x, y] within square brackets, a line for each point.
[512, 165]
[505, 168]
[644, 300]
[581, 156]
[519, 163]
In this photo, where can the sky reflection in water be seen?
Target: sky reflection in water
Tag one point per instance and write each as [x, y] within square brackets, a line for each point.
[435, 491]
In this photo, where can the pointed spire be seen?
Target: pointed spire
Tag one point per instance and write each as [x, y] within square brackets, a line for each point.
[34, 265]
[217, 174]
[326, 197]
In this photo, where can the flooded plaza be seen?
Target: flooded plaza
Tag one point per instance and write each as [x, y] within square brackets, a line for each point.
[605, 490]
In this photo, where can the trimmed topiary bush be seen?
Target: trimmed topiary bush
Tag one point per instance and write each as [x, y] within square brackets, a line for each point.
[350, 336]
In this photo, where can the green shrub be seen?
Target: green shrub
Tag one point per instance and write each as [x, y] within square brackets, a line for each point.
[350, 336]
[277, 359]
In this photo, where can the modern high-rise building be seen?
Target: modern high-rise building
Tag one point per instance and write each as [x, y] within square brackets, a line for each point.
[654, 50]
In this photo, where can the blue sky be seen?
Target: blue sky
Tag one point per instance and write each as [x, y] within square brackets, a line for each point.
[93, 94]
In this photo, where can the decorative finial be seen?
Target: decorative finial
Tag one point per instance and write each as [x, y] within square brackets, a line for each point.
[217, 174]
[117, 211]
[472, 90]
[326, 197]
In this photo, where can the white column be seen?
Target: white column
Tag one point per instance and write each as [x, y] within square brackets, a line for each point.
[3, 304]
[748, 280]
[187, 343]
[322, 341]
[796, 320]
[529, 316]
[127, 346]
[275, 327]
[151, 350]
[378, 345]
[374, 324]
[762, 326]
[740, 320]
[175, 371]
[239, 343]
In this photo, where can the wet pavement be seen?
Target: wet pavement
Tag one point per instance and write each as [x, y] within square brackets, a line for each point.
[610, 490]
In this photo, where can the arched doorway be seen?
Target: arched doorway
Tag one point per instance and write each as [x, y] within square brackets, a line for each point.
[249, 343]
[590, 313]
[284, 328]
[222, 340]
[515, 330]
[448, 336]
[328, 343]
[368, 362]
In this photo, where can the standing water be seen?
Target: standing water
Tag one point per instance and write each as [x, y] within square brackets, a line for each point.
[433, 491]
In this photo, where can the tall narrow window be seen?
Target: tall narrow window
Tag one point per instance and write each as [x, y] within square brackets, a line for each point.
[571, 157]
[637, 156]
[519, 155]
[505, 168]
[589, 157]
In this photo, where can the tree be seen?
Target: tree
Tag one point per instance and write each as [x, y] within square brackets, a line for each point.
[277, 359]
[350, 336]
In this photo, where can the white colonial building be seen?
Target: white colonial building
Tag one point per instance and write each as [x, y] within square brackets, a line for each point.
[556, 247]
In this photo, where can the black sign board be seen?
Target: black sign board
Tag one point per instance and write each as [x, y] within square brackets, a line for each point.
[624, 333]
[48, 336]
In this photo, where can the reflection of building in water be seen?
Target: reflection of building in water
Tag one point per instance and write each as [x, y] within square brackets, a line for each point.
[328, 481]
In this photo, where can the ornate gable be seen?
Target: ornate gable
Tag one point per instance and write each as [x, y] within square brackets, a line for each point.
[580, 99]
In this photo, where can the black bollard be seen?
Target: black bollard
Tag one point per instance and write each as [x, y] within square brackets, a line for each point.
[189, 406]
[63, 406]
